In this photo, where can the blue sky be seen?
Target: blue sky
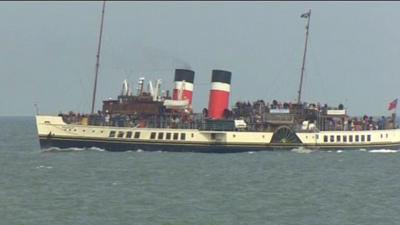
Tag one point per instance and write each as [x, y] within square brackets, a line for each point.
[47, 51]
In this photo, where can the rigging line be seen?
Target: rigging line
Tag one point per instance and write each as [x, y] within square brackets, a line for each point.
[321, 89]
[83, 101]
[273, 86]
[153, 71]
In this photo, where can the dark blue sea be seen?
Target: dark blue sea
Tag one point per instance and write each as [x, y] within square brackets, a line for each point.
[92, 186]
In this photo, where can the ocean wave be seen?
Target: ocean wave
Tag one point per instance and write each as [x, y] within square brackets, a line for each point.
[383, 151]
[302, 150]
[44, 167]
[72, 149]
[141, 150]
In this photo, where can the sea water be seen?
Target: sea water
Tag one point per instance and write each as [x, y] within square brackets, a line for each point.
[93, 186]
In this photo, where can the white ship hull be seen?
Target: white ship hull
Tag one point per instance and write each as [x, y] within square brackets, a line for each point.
[53, 132]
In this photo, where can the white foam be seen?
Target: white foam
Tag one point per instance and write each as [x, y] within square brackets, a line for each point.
[339, 151]
[139, 150]
[383, 151]
[250, 152]
[301, 150]
[44, 167]
[57, 149]
[76, 149]
[51, 149]
[97, 149]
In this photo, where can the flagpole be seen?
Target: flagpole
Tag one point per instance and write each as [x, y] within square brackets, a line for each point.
[394, 117]
[308, 16]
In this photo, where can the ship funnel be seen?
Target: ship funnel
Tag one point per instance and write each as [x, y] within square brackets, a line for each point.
[219, 93]
[183, 88]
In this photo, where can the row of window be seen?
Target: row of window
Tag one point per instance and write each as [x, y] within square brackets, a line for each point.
[153, 135]
[345, 138]
[82, 130]
[168, 136]
[122, 133]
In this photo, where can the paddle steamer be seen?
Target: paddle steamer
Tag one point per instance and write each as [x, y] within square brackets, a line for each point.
[150, 120]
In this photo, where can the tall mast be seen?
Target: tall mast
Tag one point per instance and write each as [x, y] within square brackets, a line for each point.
[98, 58]
[306, 15]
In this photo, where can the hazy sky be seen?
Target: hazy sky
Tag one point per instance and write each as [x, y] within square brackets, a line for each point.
[48, 51]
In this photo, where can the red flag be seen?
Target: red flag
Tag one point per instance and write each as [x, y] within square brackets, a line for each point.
[393, 104]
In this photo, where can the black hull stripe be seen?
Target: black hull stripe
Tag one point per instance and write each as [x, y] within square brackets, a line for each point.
[115, 146]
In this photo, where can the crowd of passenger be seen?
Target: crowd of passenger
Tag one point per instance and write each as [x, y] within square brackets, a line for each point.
[361, 123]
[101, 119]
[124, 120]
[72, 117]
[259, 106]
[253, 112]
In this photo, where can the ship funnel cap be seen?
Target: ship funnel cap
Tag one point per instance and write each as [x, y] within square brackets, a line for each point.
[222, 76]
[184, 74]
